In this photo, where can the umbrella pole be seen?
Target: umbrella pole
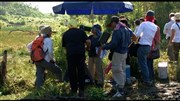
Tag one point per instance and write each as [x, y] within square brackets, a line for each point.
[91, 19]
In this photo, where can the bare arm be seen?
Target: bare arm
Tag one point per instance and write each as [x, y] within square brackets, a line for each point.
[157, 38]
[172, 36]
[88, 44]
[165, 29]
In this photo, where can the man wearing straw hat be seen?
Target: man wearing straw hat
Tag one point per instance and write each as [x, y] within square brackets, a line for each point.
[48, 63]
[175, 41]
[167, 32]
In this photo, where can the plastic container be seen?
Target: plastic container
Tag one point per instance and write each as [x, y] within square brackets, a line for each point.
[162, 70]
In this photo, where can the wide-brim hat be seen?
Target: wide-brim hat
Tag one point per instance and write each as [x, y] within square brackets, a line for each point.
[113, 19]
[171, 14]
[46, 29]
[177, 16]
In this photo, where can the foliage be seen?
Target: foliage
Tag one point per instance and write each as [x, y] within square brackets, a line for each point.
[21, 72]
[95, 93]
[17, 8]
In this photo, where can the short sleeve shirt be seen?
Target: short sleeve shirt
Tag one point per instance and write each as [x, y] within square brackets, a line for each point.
[177, 32]
[74, 41]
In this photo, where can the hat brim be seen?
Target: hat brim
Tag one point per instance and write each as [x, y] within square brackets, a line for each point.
[109, 25]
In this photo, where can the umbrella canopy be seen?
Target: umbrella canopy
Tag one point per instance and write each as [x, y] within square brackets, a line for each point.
[97, 8]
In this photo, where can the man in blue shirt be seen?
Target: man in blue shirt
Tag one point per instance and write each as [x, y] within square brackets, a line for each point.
[121, 39]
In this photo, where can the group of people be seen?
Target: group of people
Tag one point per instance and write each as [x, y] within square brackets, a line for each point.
[172, 32]
[76, 43]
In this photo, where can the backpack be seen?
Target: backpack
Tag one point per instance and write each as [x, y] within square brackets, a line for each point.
[37, 52]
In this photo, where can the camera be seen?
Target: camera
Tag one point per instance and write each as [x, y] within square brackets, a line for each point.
[85, 28]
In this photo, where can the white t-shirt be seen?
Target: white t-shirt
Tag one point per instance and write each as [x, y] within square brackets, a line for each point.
[136, 29]
[48, 45]
[177, 32]
[167, 29]
[146, 32]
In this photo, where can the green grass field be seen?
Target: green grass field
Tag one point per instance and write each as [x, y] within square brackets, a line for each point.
[21, 73]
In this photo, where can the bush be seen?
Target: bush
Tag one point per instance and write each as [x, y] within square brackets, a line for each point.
[95, 93]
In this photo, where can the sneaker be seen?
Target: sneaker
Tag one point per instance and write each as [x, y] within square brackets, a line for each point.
[81, 93]
[118, 94]
[110, 93]
[148, 84]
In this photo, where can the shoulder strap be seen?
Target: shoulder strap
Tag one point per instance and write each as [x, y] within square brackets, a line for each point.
[178, 25]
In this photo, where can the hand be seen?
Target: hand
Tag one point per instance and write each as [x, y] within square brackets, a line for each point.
[102, 46]
[87, 49]
[170, 44]
[52, 61]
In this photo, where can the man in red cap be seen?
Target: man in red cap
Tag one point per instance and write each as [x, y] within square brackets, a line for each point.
[146, 32]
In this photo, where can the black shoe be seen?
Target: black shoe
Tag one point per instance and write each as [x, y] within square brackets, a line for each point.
[148, 84]
[81, 93]
[110, 93]
[99, 85]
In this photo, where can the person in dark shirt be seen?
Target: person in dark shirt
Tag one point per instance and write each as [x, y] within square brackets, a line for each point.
[121, 39]
[74, 40]
[94, 61]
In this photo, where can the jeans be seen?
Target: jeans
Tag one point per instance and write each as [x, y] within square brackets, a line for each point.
[43, 65]
[142, 53]
[151, 69]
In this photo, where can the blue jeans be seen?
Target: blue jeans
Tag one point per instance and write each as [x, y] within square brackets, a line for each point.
[151, 68]
[142, 53]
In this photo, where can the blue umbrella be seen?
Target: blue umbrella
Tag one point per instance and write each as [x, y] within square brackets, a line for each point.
[97, 8]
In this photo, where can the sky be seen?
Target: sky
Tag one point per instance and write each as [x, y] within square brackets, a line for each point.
[44, 7]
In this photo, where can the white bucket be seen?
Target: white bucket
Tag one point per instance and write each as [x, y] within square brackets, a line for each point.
[162, 70]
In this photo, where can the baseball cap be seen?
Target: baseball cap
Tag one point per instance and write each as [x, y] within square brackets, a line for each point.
[150, 13]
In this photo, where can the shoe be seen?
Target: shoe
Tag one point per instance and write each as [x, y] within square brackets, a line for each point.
[133, 79]
[99, 85]
[81, 93]
[148, 84]
[118, 94]
[110, 93]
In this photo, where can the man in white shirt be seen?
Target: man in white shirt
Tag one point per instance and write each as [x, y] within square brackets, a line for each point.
[48, 63]
[146, 32]
[175, 42]
[167, 32]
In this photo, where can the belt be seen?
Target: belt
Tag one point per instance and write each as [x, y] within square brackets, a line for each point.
[144, 45]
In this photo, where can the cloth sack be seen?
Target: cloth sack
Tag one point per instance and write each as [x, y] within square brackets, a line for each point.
[154, 54]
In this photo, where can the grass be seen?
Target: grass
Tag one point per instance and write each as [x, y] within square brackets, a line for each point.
[21, 73]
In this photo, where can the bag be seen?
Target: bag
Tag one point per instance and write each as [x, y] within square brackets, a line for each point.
[154, 54]
[110, 55]
[133, 49]
[37, 52]
[104, 38]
